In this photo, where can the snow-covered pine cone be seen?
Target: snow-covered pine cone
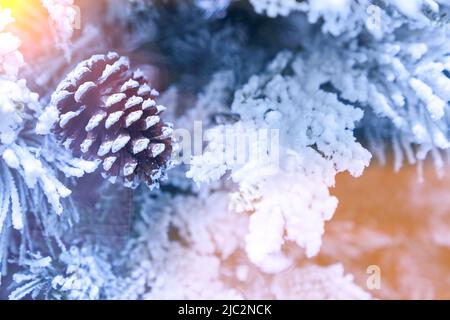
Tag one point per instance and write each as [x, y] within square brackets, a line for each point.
[108, 113]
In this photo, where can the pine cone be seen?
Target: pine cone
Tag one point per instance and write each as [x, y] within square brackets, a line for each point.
[108, 113]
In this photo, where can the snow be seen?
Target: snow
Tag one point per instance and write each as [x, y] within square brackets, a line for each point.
[150, 121]
[210, 235]
[16, 209]
[129, 168]
[11, 60]
[212, 7]
[111, 70]
[148, 103]
[83, 90]
[108, 163]
[64, 118]
[30, 164]
[140, 145]
[114, 99]
[86, 144]
[160, 108]
[133, 101]
[65, 18]
[409, 8]
[315, 144]
[113, 118]
[95, 121]
[5, 18]
[434, 104]
[130, 84]
[315, 282]
[120, 142]
[11, 159]
[104, 148]
[157, 149]
[144, 89]
[10, 113]
[132, 117]
[275, 8]
[167, 131]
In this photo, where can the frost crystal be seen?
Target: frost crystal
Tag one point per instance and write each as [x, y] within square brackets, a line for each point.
[83, 276]
[290, 199]
[29, 166]
[273, 8]
[63, 15]
[210, 238]
[10, 58]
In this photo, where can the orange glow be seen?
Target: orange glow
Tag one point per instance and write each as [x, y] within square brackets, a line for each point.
[31, 26]
[393, 221]
[384, 219]
[21, 9]
[16, 6]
